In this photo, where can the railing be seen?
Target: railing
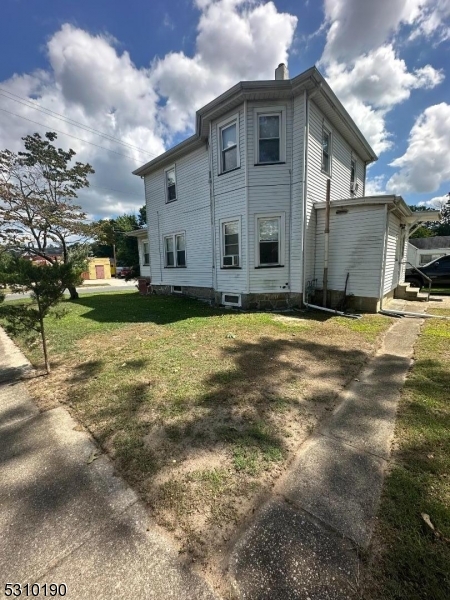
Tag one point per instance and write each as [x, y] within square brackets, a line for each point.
[423, 275]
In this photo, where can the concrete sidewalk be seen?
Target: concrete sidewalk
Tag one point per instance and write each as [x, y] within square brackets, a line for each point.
[65, 518]
[305, 543]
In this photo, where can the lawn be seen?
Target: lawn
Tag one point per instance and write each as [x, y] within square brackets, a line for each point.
[201, 409]
[411, 561]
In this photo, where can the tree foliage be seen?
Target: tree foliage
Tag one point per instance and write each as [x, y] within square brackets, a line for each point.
[38, 188]
[46, 284]
[111, 232]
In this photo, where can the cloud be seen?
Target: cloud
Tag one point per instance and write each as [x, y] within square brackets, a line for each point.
[426, 163]
[375, 186]
[438, 202]
[90, 81]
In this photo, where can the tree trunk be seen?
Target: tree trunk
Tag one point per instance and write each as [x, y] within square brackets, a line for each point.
[44, 341]
[73, 293]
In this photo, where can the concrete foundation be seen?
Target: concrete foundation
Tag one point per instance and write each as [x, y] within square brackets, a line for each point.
[359, 303]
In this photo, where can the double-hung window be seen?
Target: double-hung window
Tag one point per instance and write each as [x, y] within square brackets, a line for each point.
[353, 182]
[175, 250]
[326, 151]
[270, 240]
[270, 135]
[146, 254]
[228, 138]
[171, 184]
[231, 243]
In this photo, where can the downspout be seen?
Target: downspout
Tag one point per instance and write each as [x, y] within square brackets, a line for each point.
[159, 248]
[247, 224]
[327, 244]
[212, 210]
[291, 175]
[305, 189]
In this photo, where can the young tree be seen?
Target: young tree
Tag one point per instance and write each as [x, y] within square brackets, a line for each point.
[37, 192]
[46, 283]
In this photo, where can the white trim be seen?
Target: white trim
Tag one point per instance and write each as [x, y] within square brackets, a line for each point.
[281, 240]
[174, 235]
[225, 303]
[233, 119]
[223, 222]
[271, 111]
[166, 195]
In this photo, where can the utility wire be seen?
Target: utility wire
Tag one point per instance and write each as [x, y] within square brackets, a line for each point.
[31, 104]
[50, 127]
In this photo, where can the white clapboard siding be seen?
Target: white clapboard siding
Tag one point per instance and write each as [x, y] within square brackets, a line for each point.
[298, 133]
[144, 270]
[391, 274]
[355, 247]
[269, 192]
[189, 213]
[230, 203]
[342, 155]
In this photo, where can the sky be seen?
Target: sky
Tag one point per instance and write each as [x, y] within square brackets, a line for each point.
[120, 81]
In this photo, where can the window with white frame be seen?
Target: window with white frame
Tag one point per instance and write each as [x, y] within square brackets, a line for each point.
[145, 254]
[231, 232]
[175, 250]
[270, 240]
[228, 144]
[353, 184]
[171, 185]
[326, 151]
[270, 135]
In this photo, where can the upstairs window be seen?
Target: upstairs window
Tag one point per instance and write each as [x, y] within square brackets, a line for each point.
[270, 240]
[231, 244]
[353, 182]
[175, 250]
[146, 254]
[326, 151]
[171, 185]
[269, 138]
[229, 148]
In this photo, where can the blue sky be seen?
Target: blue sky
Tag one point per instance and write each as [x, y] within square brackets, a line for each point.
[137, 70]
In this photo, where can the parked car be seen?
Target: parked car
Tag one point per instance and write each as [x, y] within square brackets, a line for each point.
[437, 270]
[124, 272]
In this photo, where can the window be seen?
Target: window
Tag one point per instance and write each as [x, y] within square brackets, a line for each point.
[231, 299]
[171, 185]
[426, 258]
[229, 149]
[175, 250]
[326, 151]
[146, 253]
[353, 184]
[270, 127]
[176, 289]
[269, 235]
[231, 244]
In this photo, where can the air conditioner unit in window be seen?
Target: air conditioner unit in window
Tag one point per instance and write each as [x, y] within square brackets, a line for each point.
[231, 260]
[353, 187]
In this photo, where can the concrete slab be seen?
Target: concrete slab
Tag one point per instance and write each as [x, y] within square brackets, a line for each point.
[127, 560]
[339, 485]
[13, 364]
[366, 416]
[286, 556]
[14, 405]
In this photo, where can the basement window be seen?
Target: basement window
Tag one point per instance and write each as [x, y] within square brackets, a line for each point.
[176, 289]
[231, 299]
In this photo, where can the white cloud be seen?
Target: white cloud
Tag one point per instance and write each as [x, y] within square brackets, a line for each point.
[88, 80]
[438, 202]
[375, 186]
[426, 162]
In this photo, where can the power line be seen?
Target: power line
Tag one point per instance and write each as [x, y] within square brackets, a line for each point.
[51, 113]
[50, 127]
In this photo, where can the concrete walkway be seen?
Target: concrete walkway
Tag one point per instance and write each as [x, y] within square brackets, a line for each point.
[305, 543]
[67, 519]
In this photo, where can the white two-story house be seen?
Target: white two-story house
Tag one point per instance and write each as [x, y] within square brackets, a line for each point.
[236, 213]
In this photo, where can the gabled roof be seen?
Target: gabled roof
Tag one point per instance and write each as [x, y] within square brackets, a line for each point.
[310, 81]
[431, 243]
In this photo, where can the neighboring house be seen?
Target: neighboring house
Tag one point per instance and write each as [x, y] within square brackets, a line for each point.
[423, 250]
[98, 268]
[236, 212]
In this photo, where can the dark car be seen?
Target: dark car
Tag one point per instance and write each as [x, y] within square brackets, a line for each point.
[124, 272]
[437, 270]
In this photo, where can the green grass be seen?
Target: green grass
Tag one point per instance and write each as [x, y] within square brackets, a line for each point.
[412, 561]
[200, 407]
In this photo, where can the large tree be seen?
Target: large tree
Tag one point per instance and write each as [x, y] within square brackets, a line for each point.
[38, 188]
[112, 232]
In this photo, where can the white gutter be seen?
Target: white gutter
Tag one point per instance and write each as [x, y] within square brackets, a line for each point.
[332, 311]
[247, 210]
